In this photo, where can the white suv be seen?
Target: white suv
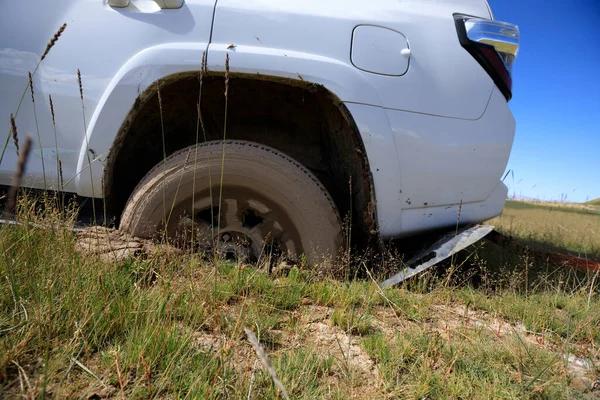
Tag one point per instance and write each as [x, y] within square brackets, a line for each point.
[387, 115]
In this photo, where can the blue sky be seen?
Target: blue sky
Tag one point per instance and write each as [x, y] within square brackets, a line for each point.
[556, 98]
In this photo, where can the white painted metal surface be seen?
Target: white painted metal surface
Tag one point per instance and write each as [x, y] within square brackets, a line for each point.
[437, 133]
[104, 43]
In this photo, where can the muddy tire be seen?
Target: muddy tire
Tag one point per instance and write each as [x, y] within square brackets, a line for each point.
[269, 203]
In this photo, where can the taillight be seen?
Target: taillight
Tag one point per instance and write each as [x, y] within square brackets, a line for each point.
[493, 44]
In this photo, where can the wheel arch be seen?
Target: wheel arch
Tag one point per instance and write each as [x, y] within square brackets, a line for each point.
[135, 89]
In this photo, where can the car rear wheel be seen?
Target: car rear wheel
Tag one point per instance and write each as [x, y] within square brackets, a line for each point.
[264, 202]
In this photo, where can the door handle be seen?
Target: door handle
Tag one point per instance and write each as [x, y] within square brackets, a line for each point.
[164, 4]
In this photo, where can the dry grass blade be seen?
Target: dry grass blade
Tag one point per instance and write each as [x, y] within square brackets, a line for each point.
[164, 146]
[58, 162]
[89, 371]
[13, 131]
[119, 375]
[24, 375]
[12, 196]
[200, 124]
[224, 139]
[252, 378]
[54, 39]
[264, 359]
[87, 145]
[37, 128]
[147, 374]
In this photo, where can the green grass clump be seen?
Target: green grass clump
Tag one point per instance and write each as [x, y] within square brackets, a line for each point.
[352, 321]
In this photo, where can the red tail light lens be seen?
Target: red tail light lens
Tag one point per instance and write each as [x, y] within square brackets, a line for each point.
[493, 44]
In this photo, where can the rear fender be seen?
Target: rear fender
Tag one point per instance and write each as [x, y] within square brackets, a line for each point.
[137, 75]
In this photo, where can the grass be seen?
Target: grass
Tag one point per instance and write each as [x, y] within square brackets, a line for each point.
[174, 325]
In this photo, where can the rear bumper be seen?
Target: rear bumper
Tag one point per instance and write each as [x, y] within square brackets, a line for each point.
[419, 220]
[438, 163]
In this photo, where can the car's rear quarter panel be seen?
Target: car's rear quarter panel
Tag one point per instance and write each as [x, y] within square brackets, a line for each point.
[451, 131]
[443, 79]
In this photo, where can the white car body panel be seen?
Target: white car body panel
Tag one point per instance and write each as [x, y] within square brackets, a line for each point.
[438, 134]
[438, 155]
[430, 86]
[141, 71]
[448, 151]
[100, 41]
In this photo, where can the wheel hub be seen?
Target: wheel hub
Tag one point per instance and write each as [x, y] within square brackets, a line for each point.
[242, 228]
[235, 246]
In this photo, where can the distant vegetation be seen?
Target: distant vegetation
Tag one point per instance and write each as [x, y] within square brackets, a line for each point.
[585, 208]
[563, 227]
[594, 202]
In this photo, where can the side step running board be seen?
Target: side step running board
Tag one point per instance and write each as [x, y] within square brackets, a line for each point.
[445, 247]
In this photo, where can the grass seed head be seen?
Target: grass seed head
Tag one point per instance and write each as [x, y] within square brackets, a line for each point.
[31, 87]
[54, 39]
[80, 85]
[52, 109]
[13, 131]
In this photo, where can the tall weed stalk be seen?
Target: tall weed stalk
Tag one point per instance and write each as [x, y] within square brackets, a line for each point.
[37, 128]
[87, 144]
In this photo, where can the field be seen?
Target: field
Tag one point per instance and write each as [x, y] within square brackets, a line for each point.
[75, 325]
[569, 228]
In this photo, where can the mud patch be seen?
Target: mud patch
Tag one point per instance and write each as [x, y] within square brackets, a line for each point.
[112, 245]
[351, 359]
[346, 349]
